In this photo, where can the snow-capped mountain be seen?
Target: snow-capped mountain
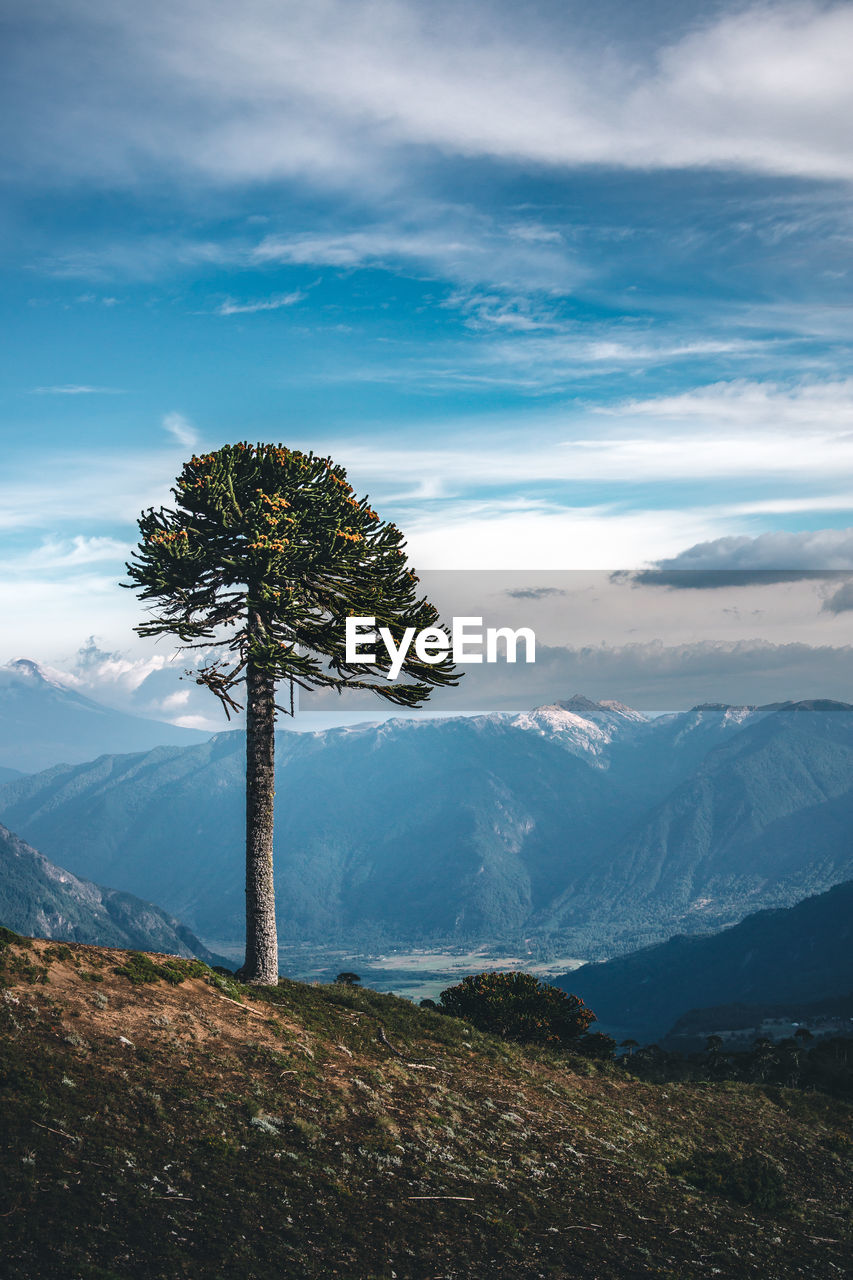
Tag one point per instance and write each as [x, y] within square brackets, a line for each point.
[581, 725]
[580, 821]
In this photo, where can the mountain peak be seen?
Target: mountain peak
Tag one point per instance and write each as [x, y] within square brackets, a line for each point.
[45, 721]
[27, 668]
[581, 725]
[24, 670]
[604, 712]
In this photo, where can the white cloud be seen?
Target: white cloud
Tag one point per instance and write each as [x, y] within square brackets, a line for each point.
[514, 534]
[423, 237]
[175, 700]
[339, 91]
[55, 554]
[84, 489]
[105, 674]
[230, 307]
[142, 683]
[493, 311]
[76, 389]
[641, 449]
[205, 723]
[431, 238]
[740, 403]
[181, 429]
[541, 363]
[42, 615]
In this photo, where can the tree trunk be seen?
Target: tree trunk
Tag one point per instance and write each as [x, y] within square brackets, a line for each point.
[261, 966]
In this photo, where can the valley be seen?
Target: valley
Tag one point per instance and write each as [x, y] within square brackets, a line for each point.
[579, 829]
[417, 974]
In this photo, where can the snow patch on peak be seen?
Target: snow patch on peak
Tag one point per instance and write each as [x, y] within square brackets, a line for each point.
[721, 713]
[737, 715]
[607, 711]
[558, 720]
[623, 711]
[580, 725]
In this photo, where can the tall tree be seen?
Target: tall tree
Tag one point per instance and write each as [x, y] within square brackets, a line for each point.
[264, 555]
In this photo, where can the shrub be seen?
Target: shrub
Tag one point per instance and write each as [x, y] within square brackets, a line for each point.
[596, 1044]
[517, 1006]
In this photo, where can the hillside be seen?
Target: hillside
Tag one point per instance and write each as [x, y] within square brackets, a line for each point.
[414, 828]
[40, 898]
[581, 822]
[763, 820]
[803, 953]
[44, 722]
[747, 1022]
[188, 1127]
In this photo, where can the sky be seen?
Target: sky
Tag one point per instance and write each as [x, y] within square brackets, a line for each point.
[563, 287]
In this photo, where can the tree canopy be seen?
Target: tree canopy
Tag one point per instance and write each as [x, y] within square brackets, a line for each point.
[268, 550]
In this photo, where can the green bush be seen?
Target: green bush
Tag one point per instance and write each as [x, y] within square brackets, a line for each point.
[517, 1006]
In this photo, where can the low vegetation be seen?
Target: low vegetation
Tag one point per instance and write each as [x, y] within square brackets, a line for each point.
[517, 1006]
[170, 1122]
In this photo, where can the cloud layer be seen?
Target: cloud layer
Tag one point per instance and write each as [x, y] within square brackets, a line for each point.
[742, 560]
[335, 89]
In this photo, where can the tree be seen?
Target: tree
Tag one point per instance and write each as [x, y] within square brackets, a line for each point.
[264, 555]
[517, 1006]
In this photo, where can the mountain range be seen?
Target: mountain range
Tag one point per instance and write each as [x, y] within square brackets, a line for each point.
[800, 954]
[40, 899]
[582, 825]
[44, 722]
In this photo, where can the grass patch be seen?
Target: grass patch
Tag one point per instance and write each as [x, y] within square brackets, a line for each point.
[140, 968]
[751, 1180]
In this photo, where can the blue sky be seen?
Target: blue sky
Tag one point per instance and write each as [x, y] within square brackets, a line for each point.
[563, 286]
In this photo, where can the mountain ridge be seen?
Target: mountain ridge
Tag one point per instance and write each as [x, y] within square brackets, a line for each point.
[44, 722]
[40, 898]
[476, 828]
[779, 956]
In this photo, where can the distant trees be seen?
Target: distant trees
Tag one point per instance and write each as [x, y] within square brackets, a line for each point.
[265, 554]
[797, 1062]
[517, 1006]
